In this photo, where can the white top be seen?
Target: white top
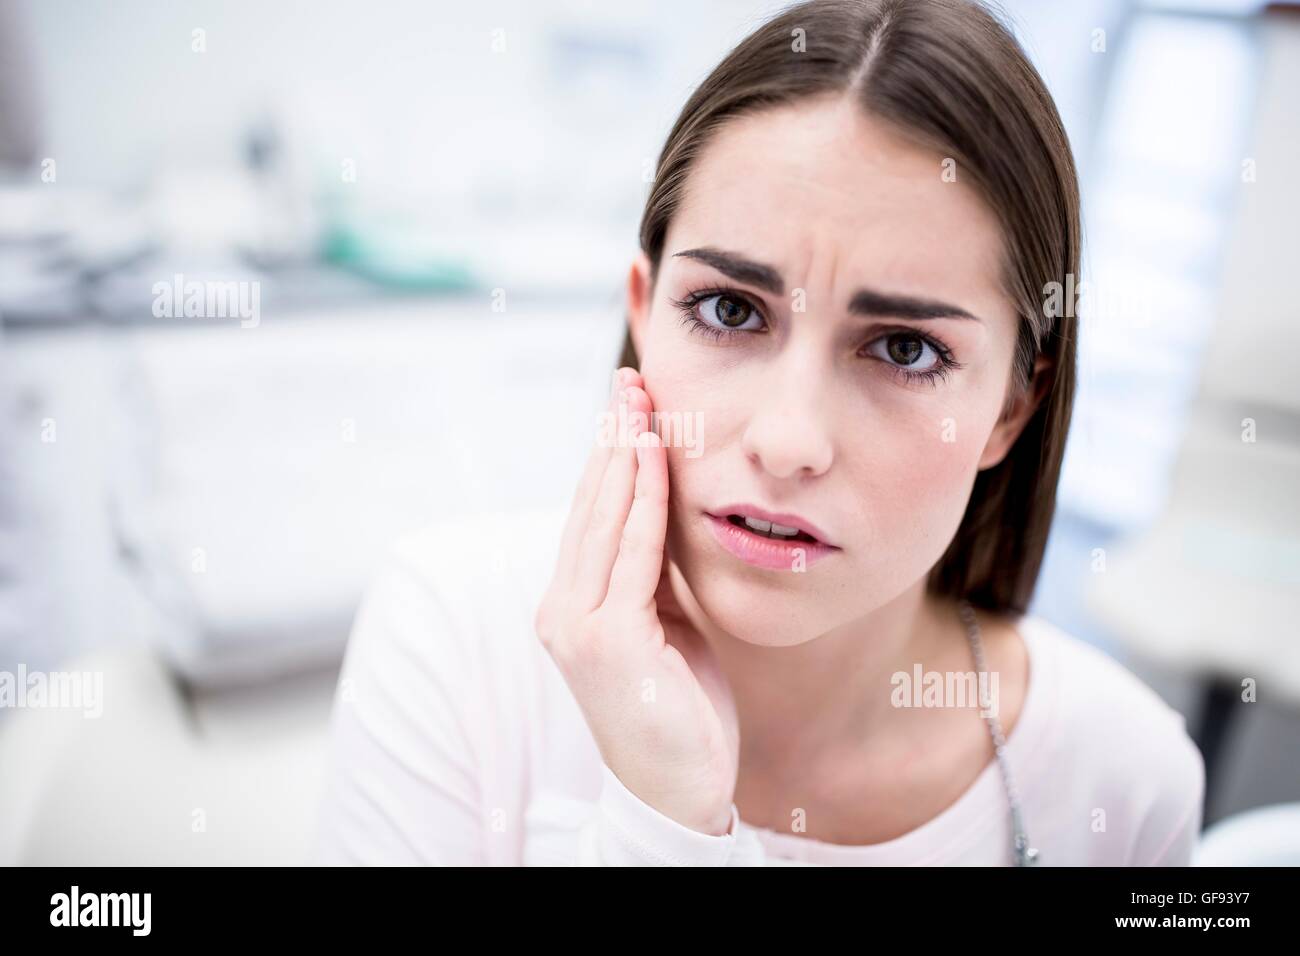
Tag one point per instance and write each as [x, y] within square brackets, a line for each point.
[455, 740]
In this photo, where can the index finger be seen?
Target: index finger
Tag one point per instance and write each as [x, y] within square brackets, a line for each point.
[584, 496]
[635, 577]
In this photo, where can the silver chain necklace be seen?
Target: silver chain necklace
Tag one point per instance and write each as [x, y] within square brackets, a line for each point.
[1024, 854]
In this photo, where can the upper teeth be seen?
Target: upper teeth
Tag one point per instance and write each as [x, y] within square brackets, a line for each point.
[769, 527]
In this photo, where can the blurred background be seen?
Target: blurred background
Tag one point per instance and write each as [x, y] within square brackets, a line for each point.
[272, 275]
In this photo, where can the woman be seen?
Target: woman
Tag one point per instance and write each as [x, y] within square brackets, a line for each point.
[801, 637]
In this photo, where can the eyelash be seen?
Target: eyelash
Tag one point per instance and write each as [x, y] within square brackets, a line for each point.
[932, 376]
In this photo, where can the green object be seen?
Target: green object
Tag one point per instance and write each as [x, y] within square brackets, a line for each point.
[395, 257]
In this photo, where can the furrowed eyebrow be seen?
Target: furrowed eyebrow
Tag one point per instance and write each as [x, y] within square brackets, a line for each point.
[738, 268]
[869, 303]
[865, 302]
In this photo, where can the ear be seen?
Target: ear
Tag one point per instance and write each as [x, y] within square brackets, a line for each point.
[640, 297]
[1010, 425]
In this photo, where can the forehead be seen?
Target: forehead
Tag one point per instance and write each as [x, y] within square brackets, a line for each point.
[821, 188]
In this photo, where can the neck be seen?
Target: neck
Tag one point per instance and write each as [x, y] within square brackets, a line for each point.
[831, 694]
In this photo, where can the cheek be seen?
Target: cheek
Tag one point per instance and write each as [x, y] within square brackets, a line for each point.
[912, 485]
[680, 420]
[687, 410]
[689, 433]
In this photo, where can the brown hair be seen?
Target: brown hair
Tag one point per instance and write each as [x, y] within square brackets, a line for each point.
[950, 75]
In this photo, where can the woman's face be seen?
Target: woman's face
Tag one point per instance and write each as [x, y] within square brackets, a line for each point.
[829, 340]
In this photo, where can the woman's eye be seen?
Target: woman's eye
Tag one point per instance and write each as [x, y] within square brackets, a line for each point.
[907, 350]
[728, 312]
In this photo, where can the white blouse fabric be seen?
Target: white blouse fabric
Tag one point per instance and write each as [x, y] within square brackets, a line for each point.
[455, 741]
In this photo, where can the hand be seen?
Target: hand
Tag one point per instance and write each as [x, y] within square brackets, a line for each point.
[648, 685]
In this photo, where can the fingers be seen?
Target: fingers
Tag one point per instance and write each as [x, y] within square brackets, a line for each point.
[584, 495]
[599, 545]
[640, 555]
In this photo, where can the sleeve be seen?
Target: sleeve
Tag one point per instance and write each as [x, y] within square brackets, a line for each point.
[627, 831]
[401, 784]
[1172, 828]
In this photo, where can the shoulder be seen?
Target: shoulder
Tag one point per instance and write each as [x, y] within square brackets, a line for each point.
[1120, 744]
[436, 693]
[472, 552]
[456, 597]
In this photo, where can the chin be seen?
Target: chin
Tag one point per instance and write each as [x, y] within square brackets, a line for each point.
[764, 608]
[760, 616]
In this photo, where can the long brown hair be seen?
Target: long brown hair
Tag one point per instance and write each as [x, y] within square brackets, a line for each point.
[951, 76]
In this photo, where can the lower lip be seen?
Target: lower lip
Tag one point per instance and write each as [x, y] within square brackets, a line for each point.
[762, 552]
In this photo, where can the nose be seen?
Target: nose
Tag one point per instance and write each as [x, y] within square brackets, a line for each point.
[788, 433]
